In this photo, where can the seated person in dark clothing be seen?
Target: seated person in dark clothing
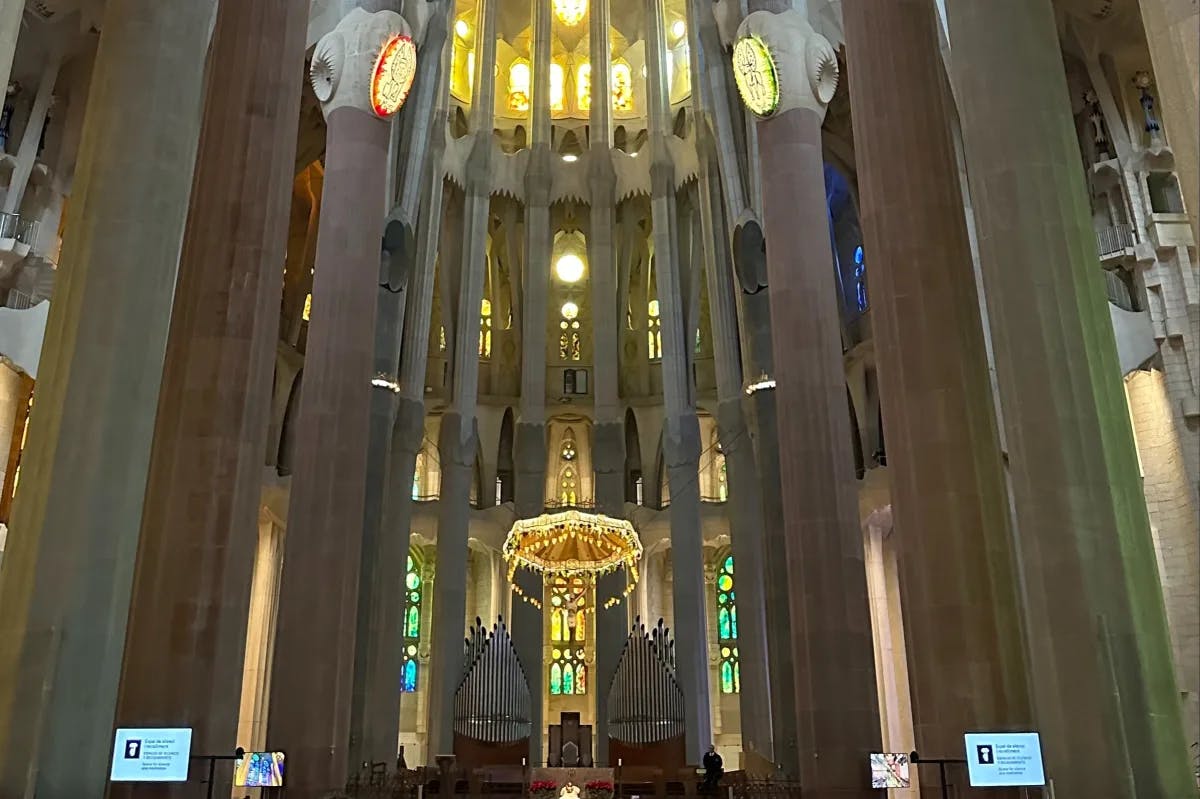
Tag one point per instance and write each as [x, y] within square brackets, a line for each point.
[713, 768]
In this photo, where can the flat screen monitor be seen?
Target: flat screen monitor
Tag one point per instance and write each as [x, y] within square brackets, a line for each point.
[889, 770]
[1004, 759]
[143, 754]
[259, 770]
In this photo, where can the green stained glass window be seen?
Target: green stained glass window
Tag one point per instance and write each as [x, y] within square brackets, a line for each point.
[730, 671]
[412, 626]
[556, 677]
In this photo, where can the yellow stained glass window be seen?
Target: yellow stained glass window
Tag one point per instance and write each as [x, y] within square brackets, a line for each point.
[519, 78]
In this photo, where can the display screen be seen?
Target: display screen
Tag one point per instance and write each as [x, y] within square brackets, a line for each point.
[151, 754]
[1004, 759]
[889, 770]
[259, 770]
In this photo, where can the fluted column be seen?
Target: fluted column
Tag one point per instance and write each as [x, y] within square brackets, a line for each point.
[608, 429]
[32, 136]
[397, 412]
[681, 429]
[201, 514]
[745, 508]
[1175, 53]
[949, 499]
[1094, 610]
[530, 434]
[84, 469]
[459, 439]
[313, 668]
[832, 654]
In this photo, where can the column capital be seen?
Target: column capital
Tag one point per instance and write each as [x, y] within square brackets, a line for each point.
[345, 59]
[803, 62]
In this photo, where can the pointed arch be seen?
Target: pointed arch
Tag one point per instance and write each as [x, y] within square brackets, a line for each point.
[287, 433]
[505, 465]
[634, 484]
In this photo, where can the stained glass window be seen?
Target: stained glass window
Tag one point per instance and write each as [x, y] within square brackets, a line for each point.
[569, 341]
[569, 605]
[622, 86]
[654, 330]
[485, 329]
[518, 86]
[414, 589]
[730, 671]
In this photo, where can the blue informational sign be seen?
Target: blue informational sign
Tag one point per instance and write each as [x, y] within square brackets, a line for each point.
[151, 755]
[1004, 759]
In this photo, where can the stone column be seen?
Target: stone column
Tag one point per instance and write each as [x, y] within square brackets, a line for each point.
[1175, 53]
[949, 498]
[745, 508]
[200, 524]
[681, 429]
[608, 428]
[32, 136]
[84, 471]
[1093, 605]
[313, 669]
[832, 655]
[459, 438]
[397, 412]
[530, 434]
[10, 30]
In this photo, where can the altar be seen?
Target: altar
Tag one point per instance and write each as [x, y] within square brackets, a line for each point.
[572, 783]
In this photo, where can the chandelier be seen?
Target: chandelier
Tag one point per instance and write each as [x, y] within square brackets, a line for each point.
[573, 544]
[570, 12]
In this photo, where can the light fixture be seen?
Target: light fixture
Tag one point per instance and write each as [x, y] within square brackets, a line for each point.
[569, 311]
[763, 383]
[382, 380]
[569, 267]
[570, 12]
[462, 29]
[678, 28]
[570, 158]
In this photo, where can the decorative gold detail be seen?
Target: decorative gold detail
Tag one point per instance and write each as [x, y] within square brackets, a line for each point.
[573, 544]
[756, 76]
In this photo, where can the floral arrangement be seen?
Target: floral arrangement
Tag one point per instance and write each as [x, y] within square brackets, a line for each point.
[543, 789]
[599, 789]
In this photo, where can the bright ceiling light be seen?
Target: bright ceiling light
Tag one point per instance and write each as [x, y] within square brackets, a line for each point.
[570, 158]
[569, 268]
[570, 12]
[462, 28]
[678, 28]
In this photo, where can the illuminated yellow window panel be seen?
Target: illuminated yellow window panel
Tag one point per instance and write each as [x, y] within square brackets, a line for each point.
[583, 87]
[557, 87]
[622, 87]
[519, 79]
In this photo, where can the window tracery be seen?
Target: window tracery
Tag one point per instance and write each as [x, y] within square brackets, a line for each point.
[485, 329]
[570, 343]
[654, 330]
[415, 590]
[569, 607]
[519, 79]
[727, 633]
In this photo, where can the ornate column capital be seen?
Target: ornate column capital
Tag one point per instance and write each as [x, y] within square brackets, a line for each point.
[783, 57]
[346, 60]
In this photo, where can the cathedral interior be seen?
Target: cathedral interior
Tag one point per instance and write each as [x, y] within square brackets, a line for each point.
[510, 380]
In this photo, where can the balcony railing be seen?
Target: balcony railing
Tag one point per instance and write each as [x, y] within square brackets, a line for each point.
[1113, 240]
[1120, 293]
[14, 226]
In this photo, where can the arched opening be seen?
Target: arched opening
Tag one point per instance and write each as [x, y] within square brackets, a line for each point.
[634, 485]
[504, 461]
